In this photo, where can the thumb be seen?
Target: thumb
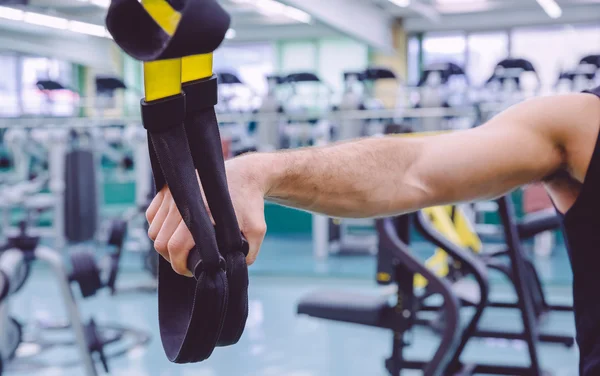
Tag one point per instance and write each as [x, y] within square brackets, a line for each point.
[254, 232]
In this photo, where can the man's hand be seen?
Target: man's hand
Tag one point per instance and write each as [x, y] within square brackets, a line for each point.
[173, 240]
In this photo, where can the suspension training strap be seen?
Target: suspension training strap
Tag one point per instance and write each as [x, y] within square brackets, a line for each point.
[195, 315]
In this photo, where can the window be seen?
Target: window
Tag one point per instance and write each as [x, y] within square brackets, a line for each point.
[562, 48]
[9, 85]
[442, 48]
[413, 60]
[485, 50]
[54, 102]
[251, 62]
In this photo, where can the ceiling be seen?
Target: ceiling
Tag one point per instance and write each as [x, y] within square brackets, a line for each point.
[366, 20]
[246, 14]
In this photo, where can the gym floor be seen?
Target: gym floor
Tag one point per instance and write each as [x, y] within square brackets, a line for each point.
[276, 341]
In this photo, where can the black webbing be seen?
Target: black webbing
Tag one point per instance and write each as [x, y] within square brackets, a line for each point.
[203, 132]
[191, 311]
[172, 164]
[195, 314]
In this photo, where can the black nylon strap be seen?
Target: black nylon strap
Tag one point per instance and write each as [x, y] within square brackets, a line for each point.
[191, 311]
[172, 163]
[201, 29]
[202, 129]
[195, 315]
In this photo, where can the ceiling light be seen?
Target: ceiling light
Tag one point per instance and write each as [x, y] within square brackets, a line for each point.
[87, 28]
[45, 20]
[552, 9]
[101, 3]
[401, 3]
[297, 14]
[459, 1]
[11, 14]
[272, 8]
[54, 22]
[230, 34]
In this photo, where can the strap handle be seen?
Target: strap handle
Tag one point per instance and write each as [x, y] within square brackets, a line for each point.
[172, 164]
[202, 129]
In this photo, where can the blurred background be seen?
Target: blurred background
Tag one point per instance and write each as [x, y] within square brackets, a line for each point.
[75, 181]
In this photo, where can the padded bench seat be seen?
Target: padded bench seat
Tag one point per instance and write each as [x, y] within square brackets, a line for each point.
[346, 307]
[535, 223]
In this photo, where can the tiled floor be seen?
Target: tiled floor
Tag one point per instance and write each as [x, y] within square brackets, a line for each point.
[285, 256]
[277, 342]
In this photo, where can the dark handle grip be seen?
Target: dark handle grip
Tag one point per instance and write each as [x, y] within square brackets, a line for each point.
[172, 165]
[202, 128]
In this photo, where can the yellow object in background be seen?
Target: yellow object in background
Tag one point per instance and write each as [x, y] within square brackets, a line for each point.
[457, 229]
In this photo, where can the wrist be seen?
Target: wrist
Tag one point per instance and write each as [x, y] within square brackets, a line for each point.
[264, 171]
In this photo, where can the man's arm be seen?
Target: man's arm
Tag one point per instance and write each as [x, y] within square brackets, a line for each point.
[391, 175]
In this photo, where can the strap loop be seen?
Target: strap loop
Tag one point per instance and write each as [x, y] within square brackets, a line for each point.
[172, 164]
[201, 30]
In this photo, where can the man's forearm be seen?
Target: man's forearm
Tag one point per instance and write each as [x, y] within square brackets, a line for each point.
[355, 179]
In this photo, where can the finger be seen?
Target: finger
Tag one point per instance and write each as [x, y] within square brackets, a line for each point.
[166, 257]
[154, 206]
[167, 230]
[255, 235]
[159, 218]
[179, 247]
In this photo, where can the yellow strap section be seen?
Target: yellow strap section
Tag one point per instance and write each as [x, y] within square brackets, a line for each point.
[196, 67]
[164, 15]
[163, 79]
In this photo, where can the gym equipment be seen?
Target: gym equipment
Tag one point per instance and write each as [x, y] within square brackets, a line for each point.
[582, 77]
[533, 292]
[25, 249]
[436, 89]
[81, 201]
[353, 100]
[231, 102]
[270, 122]
[502, 261]
[506, 83]
[304, 107]
[106, 86]
[89, 339]
[86, 271]
[401, 267]
[212, 307]
[27, 192]
[49, 88]
[399, 317]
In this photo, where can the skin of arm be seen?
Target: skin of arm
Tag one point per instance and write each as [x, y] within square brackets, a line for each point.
[390, 175]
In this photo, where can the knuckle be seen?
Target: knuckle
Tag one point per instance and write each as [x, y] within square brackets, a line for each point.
[175, 244]
[152, 233]
[259, 228]
[161, 246]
